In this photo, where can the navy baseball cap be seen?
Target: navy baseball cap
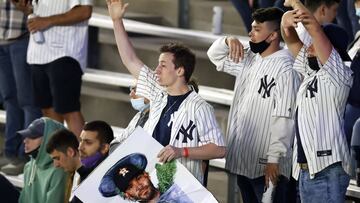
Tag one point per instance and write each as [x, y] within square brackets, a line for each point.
[116, 180]
[338, 38]
[35, 129]
[125, 174]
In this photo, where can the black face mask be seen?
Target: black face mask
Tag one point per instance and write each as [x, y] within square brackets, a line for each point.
[34, 153]
[313, 63]
[259, 47]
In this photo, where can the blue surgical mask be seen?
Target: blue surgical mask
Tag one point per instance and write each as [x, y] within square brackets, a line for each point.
[357, 11]
[139, 104]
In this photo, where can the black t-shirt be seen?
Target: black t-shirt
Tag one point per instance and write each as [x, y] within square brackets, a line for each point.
[301, 158]
[162, 130]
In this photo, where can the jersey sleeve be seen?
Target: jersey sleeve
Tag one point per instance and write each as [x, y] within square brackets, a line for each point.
[147, 85]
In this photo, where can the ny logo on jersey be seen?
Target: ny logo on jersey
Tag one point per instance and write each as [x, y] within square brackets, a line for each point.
[267, 86]
[187, 132]
[312, 87]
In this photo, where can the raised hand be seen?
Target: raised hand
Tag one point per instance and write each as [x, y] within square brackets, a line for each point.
[291, 19]
[236, 49]
[116, 9]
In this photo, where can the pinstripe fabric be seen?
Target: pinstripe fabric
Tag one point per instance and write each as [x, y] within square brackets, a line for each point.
[129, 129]
[248, 133]
[303, 35]
[60, 41]
[193, 111]
[320, 113]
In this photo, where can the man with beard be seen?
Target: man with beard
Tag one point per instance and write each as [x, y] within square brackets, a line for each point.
[94, 144]
[261, 125]
[128, 178]
[80, 159]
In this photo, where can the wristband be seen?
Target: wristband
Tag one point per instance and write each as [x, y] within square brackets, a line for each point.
[186, 152]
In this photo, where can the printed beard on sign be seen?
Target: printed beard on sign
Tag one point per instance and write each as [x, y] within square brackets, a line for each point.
[184, 187]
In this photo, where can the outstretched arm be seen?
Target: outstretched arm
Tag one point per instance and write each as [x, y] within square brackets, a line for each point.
[127, 53]
[205, 152]
[321, 43]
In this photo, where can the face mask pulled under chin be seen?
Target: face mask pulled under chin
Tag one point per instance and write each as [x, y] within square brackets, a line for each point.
[259, 47]
[139, 104]
[313, 63]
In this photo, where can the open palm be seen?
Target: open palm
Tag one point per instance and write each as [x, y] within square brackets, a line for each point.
[116, 8]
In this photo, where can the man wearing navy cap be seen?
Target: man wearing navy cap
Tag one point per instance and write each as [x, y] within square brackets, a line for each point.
[42, 181]
[129, 179]
[321, 154]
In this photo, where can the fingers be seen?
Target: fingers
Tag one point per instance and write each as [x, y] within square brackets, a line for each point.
[236, 49]
[125, 6]
[266, 180]
[166, 154]
[274, 178]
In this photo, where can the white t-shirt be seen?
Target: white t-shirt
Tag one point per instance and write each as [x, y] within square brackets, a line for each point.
[60, 41]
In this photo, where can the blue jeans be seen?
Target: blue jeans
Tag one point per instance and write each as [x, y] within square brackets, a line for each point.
[243, 8]
[329, 185]
[253, 189]
[16, 90]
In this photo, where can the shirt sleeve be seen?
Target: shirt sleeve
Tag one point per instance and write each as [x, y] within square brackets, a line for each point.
[147, 85]
[120, 138]
[56, 190]
[218, 55]
[336, 71]
[300, 64]
[208, 128]
[73, 3]
[282, 135]
[285, 93]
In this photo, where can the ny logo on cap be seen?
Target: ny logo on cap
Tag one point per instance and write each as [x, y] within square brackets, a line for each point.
[123, 172]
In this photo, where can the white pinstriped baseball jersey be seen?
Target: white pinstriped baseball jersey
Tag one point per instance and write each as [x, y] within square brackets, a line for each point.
[303, 35]
[128, 130]
[60, 41]
[193, 124]
[321, 103]
[265, 89]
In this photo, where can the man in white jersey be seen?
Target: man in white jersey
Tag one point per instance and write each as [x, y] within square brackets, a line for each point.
[321, 155]
[179, 118]
[58, 59]
[261, 127]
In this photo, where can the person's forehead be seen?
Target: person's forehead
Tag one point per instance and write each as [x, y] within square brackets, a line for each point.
[56, 153]
[89, 135]
[166, 57]
[256, 24]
